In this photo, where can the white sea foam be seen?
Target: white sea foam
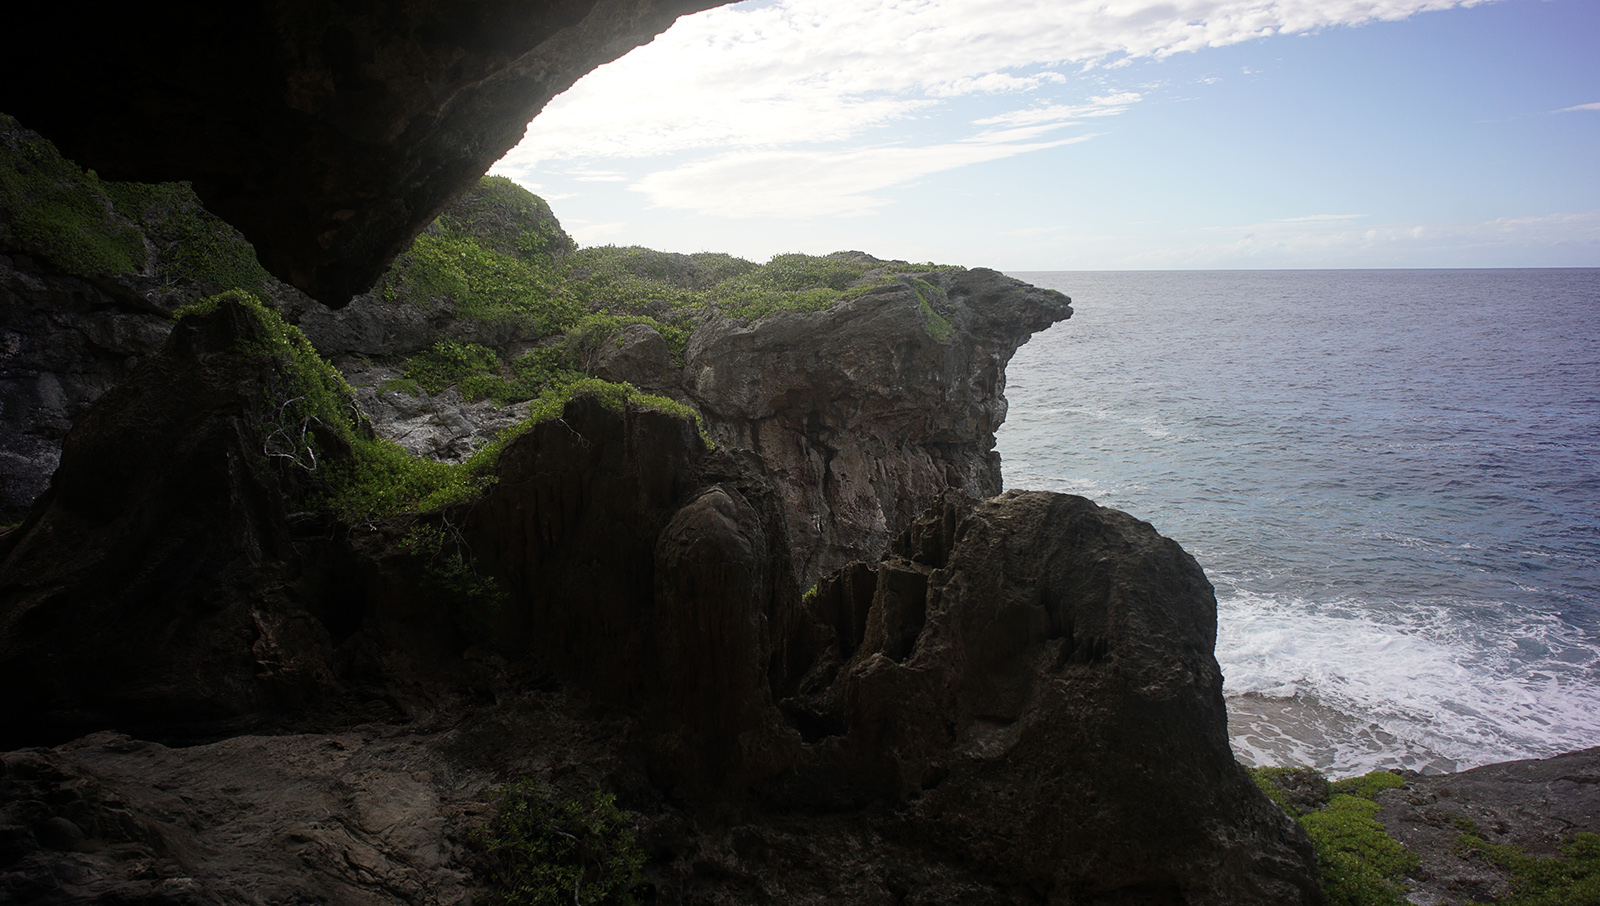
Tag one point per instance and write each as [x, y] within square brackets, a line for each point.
[1354, 686]
[1403, 537]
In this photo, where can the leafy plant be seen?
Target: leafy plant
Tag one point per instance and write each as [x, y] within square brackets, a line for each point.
[544, 850]
[1361, 865]
[191, 243]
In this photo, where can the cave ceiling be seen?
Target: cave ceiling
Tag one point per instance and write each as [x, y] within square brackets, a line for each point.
[329, 133]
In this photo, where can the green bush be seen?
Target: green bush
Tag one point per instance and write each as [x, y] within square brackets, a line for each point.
[544, 850]
[191, 243]
[1360, 864]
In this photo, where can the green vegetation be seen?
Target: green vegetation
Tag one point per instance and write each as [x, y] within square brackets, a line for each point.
[1361, 864]
[311, 412]
[933, 322]
[451, 569]
[191, 243]
[1570, 881]
[544, 850]
[496, 257]
[52, 209]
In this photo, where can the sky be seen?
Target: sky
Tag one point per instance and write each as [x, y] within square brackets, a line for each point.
[1093, 134]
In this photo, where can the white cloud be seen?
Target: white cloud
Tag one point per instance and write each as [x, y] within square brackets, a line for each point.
[1110, 105]
[1336, 242]
[803, 184]
[1320, 218]
[1574, 109]
[795, 71]
[779, 109]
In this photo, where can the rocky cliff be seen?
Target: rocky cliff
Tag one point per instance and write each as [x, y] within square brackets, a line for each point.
[180, 580]
[263, 654]
[1014, 703]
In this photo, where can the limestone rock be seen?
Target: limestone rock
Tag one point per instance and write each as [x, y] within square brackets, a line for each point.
[1536, 804]
[441, 426]
[350, 818]
[1032, 675]
[637, 355]
[864, 412]
[155, 583]
[64, 341]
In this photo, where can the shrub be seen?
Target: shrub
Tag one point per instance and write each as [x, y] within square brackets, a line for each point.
[191, 243]
[544, 850]
[1360, 864]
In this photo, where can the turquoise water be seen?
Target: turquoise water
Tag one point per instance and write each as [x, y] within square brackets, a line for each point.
[1391, 477]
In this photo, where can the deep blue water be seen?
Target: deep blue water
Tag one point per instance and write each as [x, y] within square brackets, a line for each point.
[1391, 477]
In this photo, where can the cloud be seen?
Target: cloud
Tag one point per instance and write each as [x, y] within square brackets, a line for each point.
[1109, 105]
[800, 184]
[1574, 109]
[794, 71]
[780, 109]
[1336, 242]
[1320, 218]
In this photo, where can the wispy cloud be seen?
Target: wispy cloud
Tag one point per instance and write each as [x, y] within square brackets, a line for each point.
[1320, 218]
[801, 184]
[1573, 109]
[778, 109]
[1333, 243]
[795, 71]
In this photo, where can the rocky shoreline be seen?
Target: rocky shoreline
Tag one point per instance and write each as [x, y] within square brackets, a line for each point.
[705, 567]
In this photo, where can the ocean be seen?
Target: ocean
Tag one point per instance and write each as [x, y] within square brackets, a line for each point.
[1392, 478]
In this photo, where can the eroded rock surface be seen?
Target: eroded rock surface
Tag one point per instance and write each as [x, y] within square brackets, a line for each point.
[1537, 805]
[863, 413]
[64, 341]
[157, 580]
[1033, 676]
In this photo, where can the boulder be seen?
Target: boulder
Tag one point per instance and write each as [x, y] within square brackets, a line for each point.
[1032, 677]
[637, 355]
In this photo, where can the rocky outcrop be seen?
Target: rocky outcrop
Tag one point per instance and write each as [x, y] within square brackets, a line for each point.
[1536, 805]
[156, 582]
[350, 818]
[328, 133]
[1031, 676]
[1018, 704]
[64, 341]
[864, 412]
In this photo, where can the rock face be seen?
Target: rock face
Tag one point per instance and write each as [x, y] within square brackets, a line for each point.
[64, 341]
[156, 582]
[864, 412]
[1031, 675]
[1536, 805]
[328, 133]
[1017, 704]
[349, 818]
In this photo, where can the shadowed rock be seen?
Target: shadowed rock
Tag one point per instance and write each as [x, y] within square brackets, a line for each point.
[156, 583]
[861, 414]
[1033, 677]
[329, 133]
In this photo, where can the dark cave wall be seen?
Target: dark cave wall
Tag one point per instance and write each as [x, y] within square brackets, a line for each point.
[329, 133]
